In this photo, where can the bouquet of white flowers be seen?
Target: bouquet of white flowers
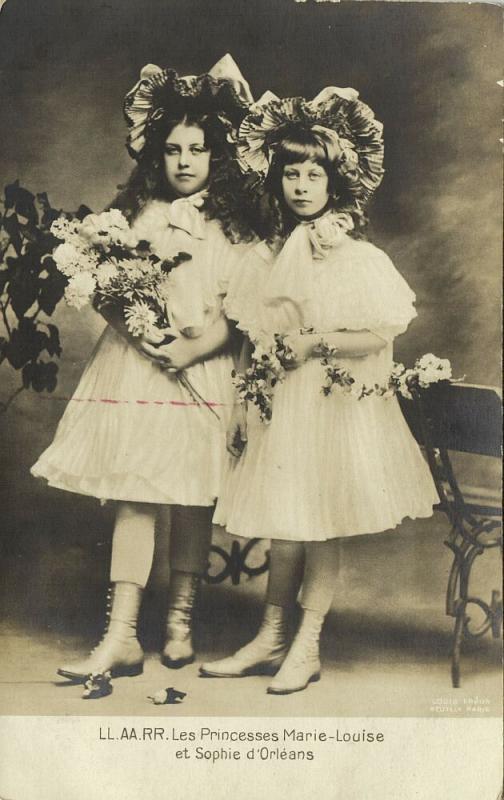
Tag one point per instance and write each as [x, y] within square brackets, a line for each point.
[427, 370]
[106, 264]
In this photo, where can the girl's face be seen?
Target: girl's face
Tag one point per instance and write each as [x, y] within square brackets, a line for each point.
[305, 187]
[186, 159]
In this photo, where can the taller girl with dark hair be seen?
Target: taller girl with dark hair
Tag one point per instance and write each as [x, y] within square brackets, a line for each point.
[148, 447]
[331, 466]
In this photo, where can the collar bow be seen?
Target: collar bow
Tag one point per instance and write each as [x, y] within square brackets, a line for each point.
[184, 213]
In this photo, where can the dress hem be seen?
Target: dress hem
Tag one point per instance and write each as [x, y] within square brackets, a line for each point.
[290, 537]
[154, 499]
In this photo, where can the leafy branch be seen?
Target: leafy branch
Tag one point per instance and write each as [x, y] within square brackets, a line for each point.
[30, 289]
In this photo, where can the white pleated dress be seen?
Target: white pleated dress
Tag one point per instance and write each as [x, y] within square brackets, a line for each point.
[131, 431]
[334, 466]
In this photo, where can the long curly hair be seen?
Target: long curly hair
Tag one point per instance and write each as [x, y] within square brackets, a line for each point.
[297, 145]
[229, 199]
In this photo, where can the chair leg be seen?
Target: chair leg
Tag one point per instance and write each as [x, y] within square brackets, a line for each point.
[457, 643]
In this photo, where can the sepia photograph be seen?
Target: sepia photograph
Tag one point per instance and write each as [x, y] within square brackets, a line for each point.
[250, 367]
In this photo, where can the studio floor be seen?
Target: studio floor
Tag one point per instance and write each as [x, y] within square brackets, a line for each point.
[385, 645]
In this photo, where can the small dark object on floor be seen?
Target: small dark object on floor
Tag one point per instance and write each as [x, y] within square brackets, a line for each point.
[167, 696]
[97, 685]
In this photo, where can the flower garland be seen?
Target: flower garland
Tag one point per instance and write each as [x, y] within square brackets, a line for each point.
[427, 370]
[271, 360]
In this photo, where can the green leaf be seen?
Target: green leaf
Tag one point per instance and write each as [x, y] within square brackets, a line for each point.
[53, 346]
[11, 194]
[5, 276]
[22, 201]
[51, 289]
[82, 212]
[26, 344]
[11, 225]
[23, 285]
[48, 214]
[41, 375]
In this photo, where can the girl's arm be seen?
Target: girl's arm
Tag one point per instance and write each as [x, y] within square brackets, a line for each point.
[349, 344]
[236, 435]
[245, 355]
[183, 352]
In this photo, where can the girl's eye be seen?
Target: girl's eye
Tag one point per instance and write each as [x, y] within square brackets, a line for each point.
[199, 150]
[290, 175]
[314, 176]
[171, 151]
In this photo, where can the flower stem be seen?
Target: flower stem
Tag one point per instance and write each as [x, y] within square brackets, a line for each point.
[3, 309]
[185, 382]
[5, 405]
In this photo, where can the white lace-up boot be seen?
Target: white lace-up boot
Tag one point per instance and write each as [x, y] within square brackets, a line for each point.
[119, 651]
[302, 664]
[178, 650]
[262, 656]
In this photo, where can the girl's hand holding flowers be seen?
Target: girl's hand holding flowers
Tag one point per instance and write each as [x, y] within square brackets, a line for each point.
[300, 348]
[174, 356]
[236, 436]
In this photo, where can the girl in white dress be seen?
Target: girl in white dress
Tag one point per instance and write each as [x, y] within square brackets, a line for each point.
[326, 466]
[137, 437]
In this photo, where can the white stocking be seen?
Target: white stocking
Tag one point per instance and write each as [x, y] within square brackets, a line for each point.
[321, 570]
[133, 543]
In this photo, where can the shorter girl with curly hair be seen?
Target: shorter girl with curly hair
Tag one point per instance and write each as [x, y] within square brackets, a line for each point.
[334, 461]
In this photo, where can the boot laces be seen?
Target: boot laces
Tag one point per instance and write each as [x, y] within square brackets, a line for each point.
[178, 625]
[305, 648]
[107, 622]
[179, 619]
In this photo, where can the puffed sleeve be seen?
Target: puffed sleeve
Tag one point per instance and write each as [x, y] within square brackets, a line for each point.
[366, 291]
[244, 299]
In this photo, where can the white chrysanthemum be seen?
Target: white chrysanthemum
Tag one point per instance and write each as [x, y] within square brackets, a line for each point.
[426, 360]
[105, 273]
[140, 267]
[71, 261]
[432, 369]
[133, 275]
[79, 290]
[139, 318]
[126, 238]
[115, 218]
[66, 229]
[107, 228]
